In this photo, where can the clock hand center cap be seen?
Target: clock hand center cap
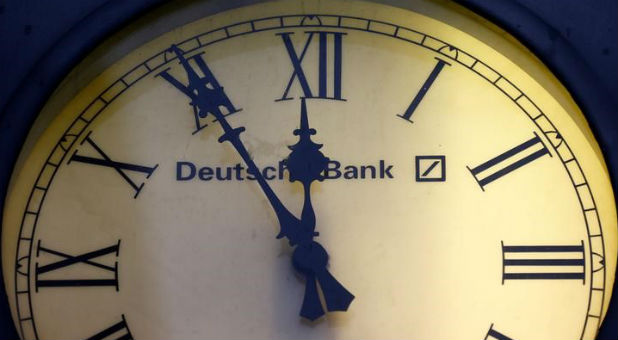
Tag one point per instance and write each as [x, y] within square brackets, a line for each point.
[309, 258]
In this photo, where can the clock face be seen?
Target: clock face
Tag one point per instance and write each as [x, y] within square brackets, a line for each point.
[422, 185]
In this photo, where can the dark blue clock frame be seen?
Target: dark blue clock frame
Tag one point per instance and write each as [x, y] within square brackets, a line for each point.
[538, 25]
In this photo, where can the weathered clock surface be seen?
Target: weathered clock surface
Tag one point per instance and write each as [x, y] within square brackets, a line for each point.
[307, 169]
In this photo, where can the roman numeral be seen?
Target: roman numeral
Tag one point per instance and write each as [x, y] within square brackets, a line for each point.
[107, 274]
[509, 161]
[543, 262]
[299, 74]
[118, 331]
[206, 81]
[426, 86]
[494, 334]
[120, 167]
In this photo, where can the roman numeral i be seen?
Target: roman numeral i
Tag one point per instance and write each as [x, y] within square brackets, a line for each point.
[423, 90]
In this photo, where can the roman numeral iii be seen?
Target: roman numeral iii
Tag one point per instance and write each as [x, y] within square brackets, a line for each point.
[509, 161]
[118, 331]
[106, 161]
[325, 60]
[65, 272]
[543, 262]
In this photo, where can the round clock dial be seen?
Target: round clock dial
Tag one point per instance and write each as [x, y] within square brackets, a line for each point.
[313, 170]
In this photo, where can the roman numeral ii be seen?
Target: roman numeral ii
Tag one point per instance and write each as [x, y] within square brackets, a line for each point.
[509, 161]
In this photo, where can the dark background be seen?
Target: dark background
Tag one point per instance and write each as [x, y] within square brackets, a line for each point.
[576, 39]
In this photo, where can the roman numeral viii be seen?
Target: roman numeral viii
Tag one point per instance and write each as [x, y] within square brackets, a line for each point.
[106, 161]
[118, 331]
[509, 161]
[324, 56]
[543, 262]
[55, 274]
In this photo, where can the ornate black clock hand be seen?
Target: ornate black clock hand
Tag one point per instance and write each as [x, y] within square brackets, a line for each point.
[307, 162]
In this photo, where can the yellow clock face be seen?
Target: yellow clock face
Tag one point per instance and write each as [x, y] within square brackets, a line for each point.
[426, 177]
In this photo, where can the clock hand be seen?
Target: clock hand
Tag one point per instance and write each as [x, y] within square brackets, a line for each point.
[306, 164]
[309, 257]
[208, 100]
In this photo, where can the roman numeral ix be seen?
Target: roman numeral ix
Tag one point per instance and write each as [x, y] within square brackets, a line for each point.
[300, 74]
[509, 161]
[107, 274]
[106, 161]
[543, 262]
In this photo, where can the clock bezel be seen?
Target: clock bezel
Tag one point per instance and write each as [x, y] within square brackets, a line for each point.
[25, 105]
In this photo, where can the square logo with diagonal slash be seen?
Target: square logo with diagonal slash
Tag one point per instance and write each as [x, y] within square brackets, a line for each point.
[430, 168]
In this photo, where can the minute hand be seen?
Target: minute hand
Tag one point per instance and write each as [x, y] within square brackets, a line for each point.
[208, 100]
[290, 226]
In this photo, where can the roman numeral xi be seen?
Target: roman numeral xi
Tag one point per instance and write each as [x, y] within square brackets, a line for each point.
[66, 271]
[105, 161]
[201, 79]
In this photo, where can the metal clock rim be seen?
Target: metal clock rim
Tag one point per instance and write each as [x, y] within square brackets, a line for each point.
[23, 107]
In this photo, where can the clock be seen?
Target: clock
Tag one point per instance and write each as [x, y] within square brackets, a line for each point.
[305, 169]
